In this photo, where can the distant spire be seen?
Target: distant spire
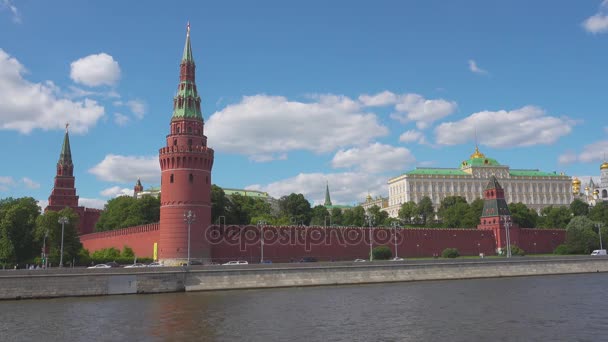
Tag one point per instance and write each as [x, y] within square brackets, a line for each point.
[65, 158]
[187, 57]
[327, 198]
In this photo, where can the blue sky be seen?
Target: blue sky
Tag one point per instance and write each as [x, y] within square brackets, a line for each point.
[299, 93]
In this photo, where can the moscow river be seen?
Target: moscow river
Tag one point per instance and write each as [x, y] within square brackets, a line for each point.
[544, 308]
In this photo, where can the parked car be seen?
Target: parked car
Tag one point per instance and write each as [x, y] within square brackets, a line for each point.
[360, 260]
[100, 266]
[308, 259]
[136, 265]
[192, 262]
[267, 262]
[155, 264]
[599, 252]
[397, 259]
[113, 264]
[234, 262]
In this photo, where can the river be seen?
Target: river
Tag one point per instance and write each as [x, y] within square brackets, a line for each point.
[544, 308]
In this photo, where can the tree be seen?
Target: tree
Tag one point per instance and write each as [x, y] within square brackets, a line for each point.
[474, 214]
[320, 216]
[523, 216]
[17, 227]
[425, 209]
[358, 218]
[450, 253]
[49, 221]
[243, 209]
[296, 207]
[599, 213]
[453, 210]
[555, 217]
[579, 208]
[127, 211]
[380, 218]
[336, 217]
[382, 253]
[219, 203]
[580, 237]
[407, 211]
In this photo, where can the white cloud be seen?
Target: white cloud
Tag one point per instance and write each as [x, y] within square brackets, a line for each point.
[95, 203]
[374, 158]
[345, 188]
[121, 119]
[6, 183]
[42, 204]
[261, 158]
[594, 152]
[412, 136]
[263, 125]
[8, 4]
[413, 107]
[30, 184]
[126, 169]
[95, 70]
[116, 191]
[25, 106]
[381, 99]
[598, 23]
[526, 126]
[475, 69]
[138, 107]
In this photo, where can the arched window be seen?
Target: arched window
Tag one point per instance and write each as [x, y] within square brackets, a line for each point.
[189, 142]
[191, 178]
[604, 193]
[174, 142]
[189, 129]
[178, 129]
[171, 179]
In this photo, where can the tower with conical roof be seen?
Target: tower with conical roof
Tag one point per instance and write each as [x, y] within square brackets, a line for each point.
[327, 198]
[64, 191]
[137, 188]
[496, 216]
[186, 162]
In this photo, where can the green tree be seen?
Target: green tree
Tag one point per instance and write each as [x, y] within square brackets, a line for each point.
[243, 209]
[473, 216]
[320, 216]
[336, 217]
[407, 211]
[380, 217]
[579, 208]
[453, 210]
[127, 211]
[450, 253]
[522, 215]
[49, 222]
[358, 218]
[127, 252]
[425, 209]
[555, 217]
[599, 213]
[219, 203]
[297, 207]
[382, 253]
[17, 227]
[580, 237]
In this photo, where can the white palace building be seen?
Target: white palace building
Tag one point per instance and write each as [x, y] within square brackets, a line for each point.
[534, 188]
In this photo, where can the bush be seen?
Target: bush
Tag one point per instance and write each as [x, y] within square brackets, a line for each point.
[515, 251]
[127, 252]
[561, 250]
[382, 253]
[450, 253]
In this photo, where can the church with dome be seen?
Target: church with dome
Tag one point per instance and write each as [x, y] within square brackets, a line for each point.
[593, 192]
[532, 187]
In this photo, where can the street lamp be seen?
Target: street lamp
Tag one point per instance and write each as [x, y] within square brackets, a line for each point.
[261, 225]
[46, 234]
[370, 222]
[63, 220]
[189, 217]
[395, 224]
[599, 231]
[507, 222]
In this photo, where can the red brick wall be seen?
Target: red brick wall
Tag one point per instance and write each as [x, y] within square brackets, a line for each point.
[534, 241]
[140, 238]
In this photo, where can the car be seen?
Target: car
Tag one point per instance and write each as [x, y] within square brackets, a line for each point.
[599, 252]
[100, 266]
[397, 259]
[360, 260]
[192, 262]
[113, 264]
[308, 259]
[155, 264]
[267, 262]
[136, 265]
[234, 262]
[212, 263]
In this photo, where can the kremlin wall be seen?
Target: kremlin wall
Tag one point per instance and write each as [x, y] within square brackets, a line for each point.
[186, 163]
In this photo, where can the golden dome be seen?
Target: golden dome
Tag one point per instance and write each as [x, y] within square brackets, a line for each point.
[369, 198]
[576, 181]
[604, 166]
[596, 191]
[586, 188]
[477, 154]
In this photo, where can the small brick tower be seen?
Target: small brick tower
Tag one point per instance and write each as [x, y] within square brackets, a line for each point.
[137, 188]
[496, 215]
[185, 164]
[64, 191]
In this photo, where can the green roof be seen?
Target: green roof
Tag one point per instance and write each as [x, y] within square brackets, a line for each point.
[477, 162]
[187, 103]
[437, 171]
[244, 192]
[338, 206]
[534, 173]
[65, 158]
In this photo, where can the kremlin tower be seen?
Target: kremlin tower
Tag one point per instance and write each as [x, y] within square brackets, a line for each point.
[185, 163]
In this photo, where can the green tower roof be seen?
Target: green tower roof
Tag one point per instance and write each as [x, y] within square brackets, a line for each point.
[187, 103]
[327, 198]
[65, 158]
[187, 57]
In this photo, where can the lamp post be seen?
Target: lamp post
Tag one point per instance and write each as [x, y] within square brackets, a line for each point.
[189, 217]
[395, 224]
[599, 231]
[261, 225]
[370, 222]
[506, 219]
[63, 220]
[46, 234]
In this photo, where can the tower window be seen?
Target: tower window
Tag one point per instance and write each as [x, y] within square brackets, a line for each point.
[189, 142]
[178, 129]
[174, 142]
[191, 178]
[171, 178]
[189, 129]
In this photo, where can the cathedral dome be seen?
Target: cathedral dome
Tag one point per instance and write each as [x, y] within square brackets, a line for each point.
[477, 154]
[576, 181]
[604, 166]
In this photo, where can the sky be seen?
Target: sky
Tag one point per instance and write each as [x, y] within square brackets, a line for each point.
[298, 94]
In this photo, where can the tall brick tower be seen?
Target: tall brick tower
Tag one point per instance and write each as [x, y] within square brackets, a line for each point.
[496, 215]
[64, 191]
[185, 164]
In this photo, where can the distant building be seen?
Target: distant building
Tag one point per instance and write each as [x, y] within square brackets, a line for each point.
[534, 188]
[379, 201]
[593, 192]
[274, 203]
[329, 206]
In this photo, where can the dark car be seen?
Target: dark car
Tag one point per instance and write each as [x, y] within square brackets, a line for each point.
[192, 263]
[308, 259]
[113, 264]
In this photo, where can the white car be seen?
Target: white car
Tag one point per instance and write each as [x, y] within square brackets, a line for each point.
[240, 262]
[360, 260]
[397, 259]
[599, 252]
[100, 266]
[155, 264]
[135, 265]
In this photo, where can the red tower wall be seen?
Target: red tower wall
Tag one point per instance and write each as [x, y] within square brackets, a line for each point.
[140, 238]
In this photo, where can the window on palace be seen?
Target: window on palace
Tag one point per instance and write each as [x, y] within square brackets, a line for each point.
[189, 142]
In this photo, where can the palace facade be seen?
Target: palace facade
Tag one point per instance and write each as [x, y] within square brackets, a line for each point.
[532, 187]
